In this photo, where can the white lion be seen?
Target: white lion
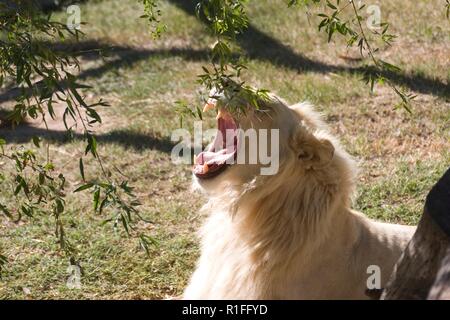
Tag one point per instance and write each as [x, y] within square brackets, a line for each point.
[291, 235]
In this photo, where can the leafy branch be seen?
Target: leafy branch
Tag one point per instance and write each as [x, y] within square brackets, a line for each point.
[45, 79]
[381, 66]
[153, 15]
[352, 28]
[37, 189]
[226, 19]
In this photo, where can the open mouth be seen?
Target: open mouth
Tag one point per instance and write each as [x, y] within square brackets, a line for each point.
[222, 152]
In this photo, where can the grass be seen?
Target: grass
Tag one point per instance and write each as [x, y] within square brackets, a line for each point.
[401, 155]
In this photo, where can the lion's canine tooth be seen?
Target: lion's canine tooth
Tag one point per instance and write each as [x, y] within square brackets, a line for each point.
[205, 168]
[208, 106]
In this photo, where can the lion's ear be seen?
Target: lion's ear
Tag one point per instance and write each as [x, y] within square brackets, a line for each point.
[315, 153]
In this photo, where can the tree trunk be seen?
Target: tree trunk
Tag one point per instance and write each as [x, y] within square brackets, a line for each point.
[423, 270]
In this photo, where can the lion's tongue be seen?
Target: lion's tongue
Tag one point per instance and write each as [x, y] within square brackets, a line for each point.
[208, 162]
[219, 157]
[212, 160]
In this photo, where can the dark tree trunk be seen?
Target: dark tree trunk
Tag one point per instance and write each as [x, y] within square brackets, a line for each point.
[423, 270]
[441, 286]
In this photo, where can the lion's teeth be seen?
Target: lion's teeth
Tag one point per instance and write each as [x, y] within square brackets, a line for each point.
[208, 106]
[205, 168]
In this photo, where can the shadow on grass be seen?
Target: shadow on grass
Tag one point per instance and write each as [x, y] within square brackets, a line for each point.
[260, 46]
[256, 44]
[123, 57]
[125, 138]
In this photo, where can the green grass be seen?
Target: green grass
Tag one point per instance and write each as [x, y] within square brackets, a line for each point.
[400, 155]
[399, 196]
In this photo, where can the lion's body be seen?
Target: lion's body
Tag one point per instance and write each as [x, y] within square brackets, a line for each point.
[292, 235]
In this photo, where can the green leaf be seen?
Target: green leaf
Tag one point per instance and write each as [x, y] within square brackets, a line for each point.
[59, 206]
[93, 114]
[5, 210]
[92, 145]
[2, 143]
[51, 111]
[105, 203]
[82, 169]
[329, 4]
[17, 189]
[78, 97]
[41, 178]
[36, 141]
[27, 211]
[447, 5]
[3, 262]
[96, 198]
[199, 113]
[125, 223]
[84, 187]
